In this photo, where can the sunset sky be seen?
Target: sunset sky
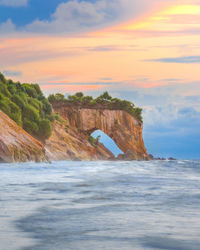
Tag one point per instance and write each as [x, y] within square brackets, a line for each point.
[146, 51]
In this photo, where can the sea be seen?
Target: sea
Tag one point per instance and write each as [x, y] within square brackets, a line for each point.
[100, 205]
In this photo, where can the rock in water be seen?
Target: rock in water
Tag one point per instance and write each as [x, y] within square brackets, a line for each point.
[123, 128]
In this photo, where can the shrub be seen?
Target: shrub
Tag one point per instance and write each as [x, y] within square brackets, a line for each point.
[105, 100]
[4, 90]
[19, 101]
[47, 108]
[37, 89]
[30, 90]
[30, 113]
[86, 99]
[15, 113]
[45, 129]
[66, 128]
[35, 103]
[93, 141]
[2, 78]
[11, 88]
[25, 104]
[30, 126]
[73, 98]
[92, 103]
[11, 109]
[4, 106]
[105, 96]
[79, 94]
[52, 98]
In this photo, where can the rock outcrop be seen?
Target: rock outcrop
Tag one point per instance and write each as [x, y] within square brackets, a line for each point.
[70, 139]
[16, 145]
[68, 143]
[124, 129]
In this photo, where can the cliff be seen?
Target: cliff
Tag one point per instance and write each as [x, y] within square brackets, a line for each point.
[16, 145]
[124, 129]
[70, 139]
[68, 143]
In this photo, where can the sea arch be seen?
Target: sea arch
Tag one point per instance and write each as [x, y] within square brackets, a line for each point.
[107, 142]
[125, 130]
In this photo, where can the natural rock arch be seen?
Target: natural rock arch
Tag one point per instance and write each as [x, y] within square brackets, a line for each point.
[124, 129]
[108, 142]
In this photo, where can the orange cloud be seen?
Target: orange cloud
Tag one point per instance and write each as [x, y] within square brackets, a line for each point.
[164, 20]
[69, 88]
[121, 53]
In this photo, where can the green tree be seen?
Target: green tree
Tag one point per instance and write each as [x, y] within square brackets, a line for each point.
[30, 90]
[30, 126]
[86, 99]
[79, 94]
[2, 78]
[18, 100]
[59, 97]
[25, 104]
[30, 113]
[106, 96]
[45, 129]
[4, 90]
[52, 98]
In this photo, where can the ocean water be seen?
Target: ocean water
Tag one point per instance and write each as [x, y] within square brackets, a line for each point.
[100, 205]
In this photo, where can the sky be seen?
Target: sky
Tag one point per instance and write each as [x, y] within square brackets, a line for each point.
[147, 52]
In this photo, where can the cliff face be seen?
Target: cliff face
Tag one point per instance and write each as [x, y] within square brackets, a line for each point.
[124, 129]
[16, 145]
[69, 140]
[68, 143]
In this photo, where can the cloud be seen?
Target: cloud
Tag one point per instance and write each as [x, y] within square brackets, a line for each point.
[171, 119]
[105, 79]
[12, 73]
[113, 48]
[182, 59]
[74, 16]
[14, 3]
[82, 15]
[84, 84]
[178, 137]
[7, 27]
[20, 51]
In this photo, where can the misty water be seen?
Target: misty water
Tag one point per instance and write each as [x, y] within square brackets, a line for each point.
[100, 205]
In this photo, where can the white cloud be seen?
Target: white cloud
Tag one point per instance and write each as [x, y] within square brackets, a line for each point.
[12, 73]
[80, 15]
[7, 27]
[14, 3]
[75, 15]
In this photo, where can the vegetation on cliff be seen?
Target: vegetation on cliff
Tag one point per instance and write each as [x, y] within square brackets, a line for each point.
[103, 101]
[94, 141]
[27, 106]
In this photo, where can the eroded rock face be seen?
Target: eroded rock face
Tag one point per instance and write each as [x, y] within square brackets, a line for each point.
[16, 145]
[70, 144]
[124, 129]
[69, 141]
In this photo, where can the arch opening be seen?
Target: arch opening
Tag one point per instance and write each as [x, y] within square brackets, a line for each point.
[107, 142]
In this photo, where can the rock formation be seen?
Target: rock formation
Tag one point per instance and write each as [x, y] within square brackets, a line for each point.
[124, 129]
[16, 145]
[68, 143]
[71, 136]
[70, 140]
